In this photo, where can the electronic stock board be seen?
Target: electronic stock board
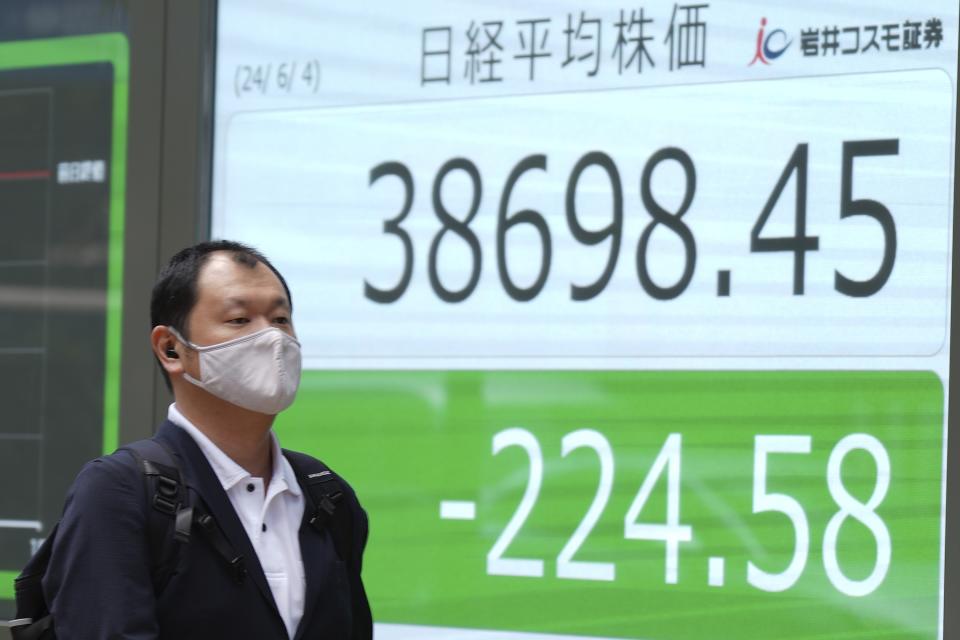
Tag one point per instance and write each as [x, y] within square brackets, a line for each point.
[625, 321]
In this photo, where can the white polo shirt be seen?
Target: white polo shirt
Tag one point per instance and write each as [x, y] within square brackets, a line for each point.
[271, 519]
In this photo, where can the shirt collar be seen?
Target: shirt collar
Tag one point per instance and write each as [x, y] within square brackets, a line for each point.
[228, 472]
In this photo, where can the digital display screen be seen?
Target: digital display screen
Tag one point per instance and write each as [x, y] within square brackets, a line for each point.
[624, 321]
[63, 116]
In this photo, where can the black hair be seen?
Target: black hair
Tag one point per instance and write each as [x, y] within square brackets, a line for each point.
[175, 291]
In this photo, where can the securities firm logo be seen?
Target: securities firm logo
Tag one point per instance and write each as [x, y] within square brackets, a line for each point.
[770, 46]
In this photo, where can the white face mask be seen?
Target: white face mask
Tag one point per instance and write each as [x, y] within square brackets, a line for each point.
[259, 371]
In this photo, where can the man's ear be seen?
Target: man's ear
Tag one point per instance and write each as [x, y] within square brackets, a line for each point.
[165, 346]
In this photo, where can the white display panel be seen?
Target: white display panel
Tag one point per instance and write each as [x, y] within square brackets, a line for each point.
[283, 169]
[312, 103]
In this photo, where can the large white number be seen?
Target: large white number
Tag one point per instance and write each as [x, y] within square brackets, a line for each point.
[671, 532]
[566, 566]
[865, 513]
[763, 501]
[496, 563]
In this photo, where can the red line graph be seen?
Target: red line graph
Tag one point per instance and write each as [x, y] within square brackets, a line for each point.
[24, 175]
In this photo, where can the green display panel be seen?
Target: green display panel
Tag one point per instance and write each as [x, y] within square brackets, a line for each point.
[63, 125]
[771, 504]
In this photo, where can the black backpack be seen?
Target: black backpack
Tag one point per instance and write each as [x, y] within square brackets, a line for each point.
[168, 498]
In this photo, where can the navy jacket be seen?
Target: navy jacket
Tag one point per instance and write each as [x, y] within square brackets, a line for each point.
[99, 581]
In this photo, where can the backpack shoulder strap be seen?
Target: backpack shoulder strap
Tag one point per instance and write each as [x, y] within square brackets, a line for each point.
[168, 495]
[330, 507]
[336, 509]
[167, 499]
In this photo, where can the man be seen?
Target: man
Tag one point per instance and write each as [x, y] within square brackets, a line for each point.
[224, 338]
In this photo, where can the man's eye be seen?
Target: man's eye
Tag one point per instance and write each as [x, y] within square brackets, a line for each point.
[282, 320]
[238, 321]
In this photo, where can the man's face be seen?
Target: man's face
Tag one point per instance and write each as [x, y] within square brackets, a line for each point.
[234, 300]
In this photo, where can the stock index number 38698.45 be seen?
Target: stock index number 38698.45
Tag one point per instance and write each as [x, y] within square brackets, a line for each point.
[798, 244]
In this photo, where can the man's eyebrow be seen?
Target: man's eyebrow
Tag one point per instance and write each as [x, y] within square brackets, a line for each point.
[279, 301]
